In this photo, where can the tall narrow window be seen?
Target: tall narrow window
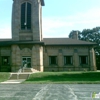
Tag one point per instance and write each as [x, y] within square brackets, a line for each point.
[68, 60]
[52, 60]
[26, 16]
[83, 60]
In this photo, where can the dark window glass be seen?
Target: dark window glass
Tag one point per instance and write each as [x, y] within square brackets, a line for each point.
[5, 60]
[83, 60]
[68, 60]
[23, 15]
[26, 16]
[53, 60]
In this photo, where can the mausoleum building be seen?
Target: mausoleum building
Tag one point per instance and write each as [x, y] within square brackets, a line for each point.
[28, 48]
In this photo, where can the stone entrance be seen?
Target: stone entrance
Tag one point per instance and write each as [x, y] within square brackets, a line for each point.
[26, 62]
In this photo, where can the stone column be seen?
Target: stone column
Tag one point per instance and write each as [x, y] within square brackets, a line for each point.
[40, 57]
[76, 60]
[13, 57]
[60, 61]
[37, 57]
[46, 61]
[92, 60]
[18, 57]
[33, 60]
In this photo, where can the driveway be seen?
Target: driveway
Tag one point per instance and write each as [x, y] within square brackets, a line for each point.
[48, 91]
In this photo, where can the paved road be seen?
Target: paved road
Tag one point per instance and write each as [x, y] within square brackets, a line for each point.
[48, 91]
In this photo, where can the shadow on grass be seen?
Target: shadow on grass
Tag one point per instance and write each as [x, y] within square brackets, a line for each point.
[64, 77]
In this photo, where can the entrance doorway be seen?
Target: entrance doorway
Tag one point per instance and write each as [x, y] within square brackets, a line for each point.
[26, 61]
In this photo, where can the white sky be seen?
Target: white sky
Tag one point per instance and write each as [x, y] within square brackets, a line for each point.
[60, 17]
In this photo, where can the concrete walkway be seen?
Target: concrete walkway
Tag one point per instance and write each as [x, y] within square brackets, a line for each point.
[19, 77]
[13, 81]
[16, 78]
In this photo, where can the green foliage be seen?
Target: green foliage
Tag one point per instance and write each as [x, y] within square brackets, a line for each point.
[92, 35]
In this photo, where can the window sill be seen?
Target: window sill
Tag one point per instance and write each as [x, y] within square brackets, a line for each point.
[25, 31]
[84, 65]
[53, 65]
[68, 64]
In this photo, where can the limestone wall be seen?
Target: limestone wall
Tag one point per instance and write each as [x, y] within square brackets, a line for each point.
[37, 57]
[40, 57]
[35, 52]
[75, 52]
[36, 21]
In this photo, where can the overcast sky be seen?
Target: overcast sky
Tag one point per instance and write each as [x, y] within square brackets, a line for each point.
[59, 17]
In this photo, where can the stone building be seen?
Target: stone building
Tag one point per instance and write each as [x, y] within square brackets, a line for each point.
[29, 49]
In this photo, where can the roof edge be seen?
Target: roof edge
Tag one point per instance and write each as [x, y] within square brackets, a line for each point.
[42, 3]
[70, 44]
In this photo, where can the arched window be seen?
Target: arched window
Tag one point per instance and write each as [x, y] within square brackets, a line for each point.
[26, 16]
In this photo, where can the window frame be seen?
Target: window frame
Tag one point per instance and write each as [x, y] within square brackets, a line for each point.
[26, 24]
[68, 60]
[83, 60]
[51, 60]
[25, 60]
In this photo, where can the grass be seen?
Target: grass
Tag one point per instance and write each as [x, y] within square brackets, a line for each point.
[65, 77]
[59, 77]
[4, 76]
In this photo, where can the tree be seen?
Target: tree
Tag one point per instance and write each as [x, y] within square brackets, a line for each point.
[92, 35]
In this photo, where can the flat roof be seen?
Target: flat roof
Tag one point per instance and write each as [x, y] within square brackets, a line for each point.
[49, 41]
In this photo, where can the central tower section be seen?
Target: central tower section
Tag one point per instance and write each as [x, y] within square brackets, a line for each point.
[27, 20]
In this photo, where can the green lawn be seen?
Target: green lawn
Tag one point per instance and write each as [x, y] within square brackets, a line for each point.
[59, 77]
[4, 76]
[64, 77]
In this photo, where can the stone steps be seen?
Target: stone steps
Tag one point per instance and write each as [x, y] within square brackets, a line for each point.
[31, 70]
[27, 70]
[22, 74]
[16, 76]
[13, 76]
